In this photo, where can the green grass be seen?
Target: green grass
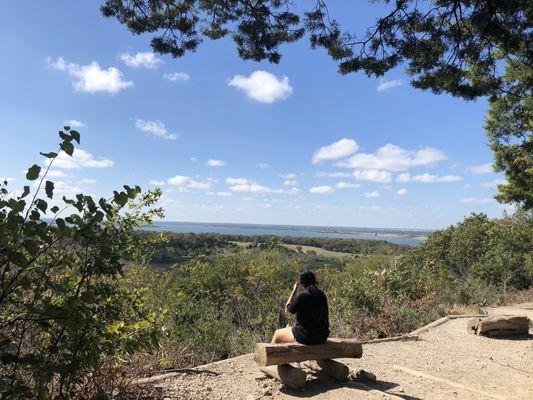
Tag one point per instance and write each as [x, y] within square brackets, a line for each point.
[305, 249]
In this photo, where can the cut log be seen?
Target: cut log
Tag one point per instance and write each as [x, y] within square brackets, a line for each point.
[286, 374]
[334, 369]
[284, 353]
[499, 325]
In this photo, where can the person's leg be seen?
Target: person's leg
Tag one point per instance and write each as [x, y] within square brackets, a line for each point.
[283, 335]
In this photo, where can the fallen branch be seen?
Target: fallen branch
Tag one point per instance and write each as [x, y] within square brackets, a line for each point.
[420, 374]
[431, 325]
[381, 393]
[172, 373]
[392, 339]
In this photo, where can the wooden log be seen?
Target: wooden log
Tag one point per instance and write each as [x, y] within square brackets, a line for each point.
[334, 369]
[499, 325]
[430, 326]
[286, 374]
[382, 394]
[284, 353]
[420, 374]
[401, 338]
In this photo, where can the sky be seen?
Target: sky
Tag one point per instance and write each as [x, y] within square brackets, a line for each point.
[237, 141]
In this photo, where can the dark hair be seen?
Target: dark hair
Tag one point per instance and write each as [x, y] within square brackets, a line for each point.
[308, 280]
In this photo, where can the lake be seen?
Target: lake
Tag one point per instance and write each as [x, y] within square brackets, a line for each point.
[399, 236]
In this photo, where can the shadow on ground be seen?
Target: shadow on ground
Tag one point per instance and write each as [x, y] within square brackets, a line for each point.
[318, 383]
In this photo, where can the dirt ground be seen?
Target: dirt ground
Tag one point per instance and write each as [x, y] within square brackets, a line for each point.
[501, 368]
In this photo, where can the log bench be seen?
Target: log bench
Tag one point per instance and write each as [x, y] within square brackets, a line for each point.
[499, 325]
[275, 358]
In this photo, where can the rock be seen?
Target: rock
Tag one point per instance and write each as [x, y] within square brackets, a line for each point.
[362, 374]
[267, 391]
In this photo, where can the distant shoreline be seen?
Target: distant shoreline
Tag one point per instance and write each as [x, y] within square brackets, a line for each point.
[411, 237]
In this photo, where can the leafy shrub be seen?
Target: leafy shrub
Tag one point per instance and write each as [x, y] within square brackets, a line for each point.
[63, 308]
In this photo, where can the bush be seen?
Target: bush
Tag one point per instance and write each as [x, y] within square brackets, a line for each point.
[63, 308]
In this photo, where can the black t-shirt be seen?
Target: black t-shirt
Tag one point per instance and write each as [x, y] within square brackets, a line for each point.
[312, 322]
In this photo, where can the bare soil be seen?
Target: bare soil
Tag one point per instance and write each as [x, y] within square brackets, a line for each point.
[502, 368]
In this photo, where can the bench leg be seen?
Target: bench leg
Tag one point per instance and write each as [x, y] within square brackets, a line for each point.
[286, 374]
[334, 369]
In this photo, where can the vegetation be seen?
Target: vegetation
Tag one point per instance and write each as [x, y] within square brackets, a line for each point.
[63, 309]
[178, 248]
[448, 46]
[81, 307]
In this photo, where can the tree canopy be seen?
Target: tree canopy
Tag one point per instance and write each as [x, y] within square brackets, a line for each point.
[467, 48]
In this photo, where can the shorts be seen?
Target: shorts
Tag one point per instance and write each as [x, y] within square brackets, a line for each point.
[303, 337]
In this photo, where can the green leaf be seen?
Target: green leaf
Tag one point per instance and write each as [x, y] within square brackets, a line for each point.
[33, 172]
[49, 155]
[64, 136]
[31, 247]
[49, 188]
[25, 192]
[41, 205]
[75, 135]
[54, 209]
[67, 147]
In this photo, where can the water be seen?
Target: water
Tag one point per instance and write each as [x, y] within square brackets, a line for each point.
[407, 237]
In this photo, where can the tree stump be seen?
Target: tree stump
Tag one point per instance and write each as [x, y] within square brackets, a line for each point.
[287, 374]
[499, 325]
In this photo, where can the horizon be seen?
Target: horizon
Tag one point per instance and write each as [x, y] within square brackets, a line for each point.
[299, 226]
[257, 143]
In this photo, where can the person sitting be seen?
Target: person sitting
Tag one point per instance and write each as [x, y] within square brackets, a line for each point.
[310, 305]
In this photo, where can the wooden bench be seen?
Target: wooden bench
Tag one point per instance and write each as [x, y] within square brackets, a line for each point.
[275, 358]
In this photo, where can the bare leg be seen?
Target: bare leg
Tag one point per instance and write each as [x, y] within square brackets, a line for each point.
[283, 335]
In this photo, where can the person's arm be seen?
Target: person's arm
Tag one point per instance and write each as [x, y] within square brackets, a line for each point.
[293, 293]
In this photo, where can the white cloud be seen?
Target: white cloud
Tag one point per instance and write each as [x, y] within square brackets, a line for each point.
[237, 181]
[91, 78]
[155, 182]
[222, 194]
[481, 169]
[86, 181]
[156, 128]
[262, 86]
[73, 123]
[427, 178]
[494, 183]
[290, 175]
[393, 158]
[67, 189]
[293, 191]
[244, 185]
[145, 59]
[290, 182]
[474, 200]
[332, 175]
[55, 173]
[372, 175]
[347, 185]
[401, 192]
[80, 159]
[177, 77]
[262, 165]
[372, 194]
[193, 159]
[385, 85]
[187, 182]
[336, 150]
[215, 163]
[325, 189]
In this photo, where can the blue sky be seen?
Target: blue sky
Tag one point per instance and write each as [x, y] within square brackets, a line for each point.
[235, 141]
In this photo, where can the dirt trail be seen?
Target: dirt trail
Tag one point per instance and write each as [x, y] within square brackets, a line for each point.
[500, 367]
